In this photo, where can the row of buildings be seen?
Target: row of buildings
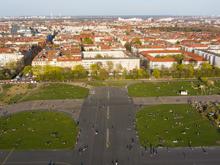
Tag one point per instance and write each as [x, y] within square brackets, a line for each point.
[69, 59]
[89, 42]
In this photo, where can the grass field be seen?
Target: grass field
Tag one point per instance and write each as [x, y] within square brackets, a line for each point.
[37, 130]
[13, 93]
[169, 89]
[175, 126]
[118, 83]
[57, 91]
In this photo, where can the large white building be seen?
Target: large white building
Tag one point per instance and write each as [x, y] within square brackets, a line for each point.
[166, 58]
[212, 57]
[118, 58]
[211, 54]
[10, 57]
[59, 62]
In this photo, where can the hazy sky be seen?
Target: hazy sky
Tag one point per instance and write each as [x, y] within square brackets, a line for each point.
[109, 7]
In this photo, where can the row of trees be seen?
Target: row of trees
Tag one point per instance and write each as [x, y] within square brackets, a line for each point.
[10, 70]
[187, 71]
[51, 73]
[97, 71]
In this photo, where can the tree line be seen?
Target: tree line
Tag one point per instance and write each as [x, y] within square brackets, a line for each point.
[99, 72]
[78, 72]
[187, 71]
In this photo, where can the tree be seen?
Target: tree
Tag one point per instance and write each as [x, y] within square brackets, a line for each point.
[118, 68]
[27, 70]
[87, 41]
[79, 72]
[67, 74]
[137, 41]
[142, 73]
[99, 56]
[177, 42]
[178, 71]
[52, 73]
[12, 66]
[190, 70]
[127, 33]
[38, 71]
[133, 74]
[94, 68]
[156, 73]
[124, 73]
[103, 74]
[110, 66]
[128, 46]
[206, 70]
[2, 74]
[179, 58]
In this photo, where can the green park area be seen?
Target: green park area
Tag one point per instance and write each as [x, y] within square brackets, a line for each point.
[111, 83]
[24, 92]
[175, 126]
[173, 88]
[37, 130]
[13, 93]
[56, 91]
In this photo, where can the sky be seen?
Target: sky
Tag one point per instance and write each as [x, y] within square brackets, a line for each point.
[108, 7]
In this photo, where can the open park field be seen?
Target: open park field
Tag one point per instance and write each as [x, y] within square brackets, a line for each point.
[37, 130]
[12, 93]
[112, 83]
[26, 92]
[172, 89]
[57, 91]
[175, 126]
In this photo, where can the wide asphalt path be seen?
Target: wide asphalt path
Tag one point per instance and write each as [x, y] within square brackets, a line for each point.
[107, 127]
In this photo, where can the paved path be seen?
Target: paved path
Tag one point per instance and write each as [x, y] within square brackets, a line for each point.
[111, 113]
[71, 107]
[107, 128]
[173, 99]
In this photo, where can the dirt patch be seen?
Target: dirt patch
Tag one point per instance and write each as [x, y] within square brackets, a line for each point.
[1, 89]
[15, 93]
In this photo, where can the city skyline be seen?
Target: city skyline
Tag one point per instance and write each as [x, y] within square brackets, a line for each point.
[107, 7]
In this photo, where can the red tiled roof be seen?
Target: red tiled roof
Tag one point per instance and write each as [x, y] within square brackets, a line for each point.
[161, 51]
[188, 56]
[69, 59]
[6, 50]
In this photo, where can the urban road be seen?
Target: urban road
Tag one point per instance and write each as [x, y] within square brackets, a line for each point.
[107, 136]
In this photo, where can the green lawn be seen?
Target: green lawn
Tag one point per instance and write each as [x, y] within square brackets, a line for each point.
[169, 89]
[37, 130]
[12, 93]
[96, 83]
[55, 91]
[112, 83]
[175, 126]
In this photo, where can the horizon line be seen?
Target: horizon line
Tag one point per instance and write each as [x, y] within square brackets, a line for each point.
[115, 15]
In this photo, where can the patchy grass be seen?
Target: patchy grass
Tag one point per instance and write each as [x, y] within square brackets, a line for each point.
[55, 91]
[37, 130]
[116, 83]
[170, 89]
[175, 126]
[96, 83]
[13, 93]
